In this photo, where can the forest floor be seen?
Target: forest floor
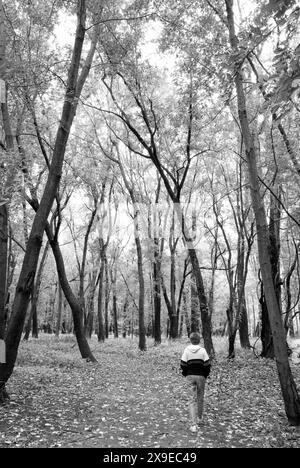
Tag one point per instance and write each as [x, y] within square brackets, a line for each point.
[138, 399]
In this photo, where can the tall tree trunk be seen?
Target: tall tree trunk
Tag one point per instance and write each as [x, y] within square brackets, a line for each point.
[195, 325]
[59, 310]
[173, 312]
[101, 324]
[231, 313]
[243, 325]
[186, 315]
[232, 330]
[157, 293]
[125, 318]
[173, 318]
[274, 235]
[89, 326]
[142, 329]
[241, 280]
[265, 330]
[32, 320]
[6, 187]
[113, 276]
[35, 324]
[204, 312]
[106, 299]
[84, 256]
[288, 387]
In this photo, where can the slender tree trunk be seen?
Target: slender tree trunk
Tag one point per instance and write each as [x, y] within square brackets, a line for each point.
[59, 310]
[101, 324]
[6, 188]
[90, 305]
[288, 387]
[186, 315]
[106, 303]
[241, 280]
[169, 308]
[181, 319]
[204, 312]
[142, 330]
[84, 256]
[243, 325]
[173, 318]
[157, 293]
[232, 330]
[195, 325]
[265, 330]
[35, 324]
[125, 318]
[113, 276]
[274, 233]
[32, 320]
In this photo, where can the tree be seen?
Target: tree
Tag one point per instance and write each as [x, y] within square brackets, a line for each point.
[32, 319]
[137, 237]
[288, 387]
[7, 179]
[104, 216]
[26, 279]
[150, 126]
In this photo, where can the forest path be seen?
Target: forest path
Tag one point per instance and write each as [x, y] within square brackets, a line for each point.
[134, 399]
[142, 402]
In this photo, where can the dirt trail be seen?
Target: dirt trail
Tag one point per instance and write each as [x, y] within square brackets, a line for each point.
[138, 400]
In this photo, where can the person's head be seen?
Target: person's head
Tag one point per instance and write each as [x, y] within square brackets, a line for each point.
[195, 338]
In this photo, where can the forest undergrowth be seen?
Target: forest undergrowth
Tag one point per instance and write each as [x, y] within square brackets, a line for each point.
[138, 399]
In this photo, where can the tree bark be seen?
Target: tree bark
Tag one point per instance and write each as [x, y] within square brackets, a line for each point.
[32, 320]
[274, 235]
[205, 317]
[168, 305]
[84, 256]
[59, 310]
[243, 325]
[142, 330]
[113, 276]
[101, 324]
[106, 299]
[242, 269]
[6, 188]
[173, 318]
[157, 292]
[195, 325]
[3, 266]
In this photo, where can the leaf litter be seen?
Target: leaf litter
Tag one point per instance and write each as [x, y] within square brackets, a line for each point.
[135, 399]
